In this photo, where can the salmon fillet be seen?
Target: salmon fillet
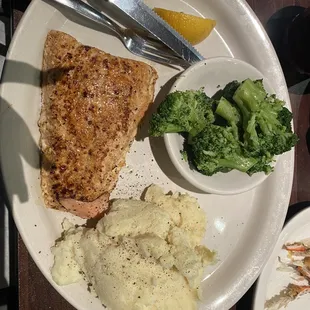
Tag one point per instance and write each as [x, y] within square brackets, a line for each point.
[92, 103]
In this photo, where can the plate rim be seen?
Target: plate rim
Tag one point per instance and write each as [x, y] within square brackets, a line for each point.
[234, 295]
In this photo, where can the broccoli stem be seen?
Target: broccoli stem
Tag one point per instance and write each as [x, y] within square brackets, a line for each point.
[250, 133]
[249, 95]
[240, 163]
[226, 110]
[268, 122]
[227, 92]
[158, 127]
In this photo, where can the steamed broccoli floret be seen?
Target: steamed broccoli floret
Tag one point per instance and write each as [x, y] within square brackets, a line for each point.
[241, 127]
[226, 110]
[216, 149]
[249, 94]
[228, 91]
[188, 111]
[265, 121]
[285, 118]
[263, 165]
[184, 155]
[230, 113]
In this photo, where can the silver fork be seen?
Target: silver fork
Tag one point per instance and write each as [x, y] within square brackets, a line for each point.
[147, 48]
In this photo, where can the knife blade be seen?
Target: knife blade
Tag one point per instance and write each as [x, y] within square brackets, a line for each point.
[155, 25]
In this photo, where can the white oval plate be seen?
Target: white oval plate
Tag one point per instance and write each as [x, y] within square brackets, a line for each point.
[272, 281]
[242, 228]
[211, 75]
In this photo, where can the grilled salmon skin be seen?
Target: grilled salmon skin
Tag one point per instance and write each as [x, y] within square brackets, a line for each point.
[92, 103]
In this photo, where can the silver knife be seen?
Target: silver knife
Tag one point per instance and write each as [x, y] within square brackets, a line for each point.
[155, 25]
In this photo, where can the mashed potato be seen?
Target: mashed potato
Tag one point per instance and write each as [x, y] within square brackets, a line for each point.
[142, 254]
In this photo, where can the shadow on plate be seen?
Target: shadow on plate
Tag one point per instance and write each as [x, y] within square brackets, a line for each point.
[17, 142]
[143, 130]
[119, 17]
[21, 146]
[76, 18]
[157, 144]
[163, 160]
[115, 14]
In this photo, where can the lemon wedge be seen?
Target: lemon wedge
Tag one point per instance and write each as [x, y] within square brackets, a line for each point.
[193, 28]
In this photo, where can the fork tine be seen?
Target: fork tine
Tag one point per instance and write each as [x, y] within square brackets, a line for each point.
[161, 53]
[152, 41]
[161, 47]
[165, 61]
[150, 44]
[156, 43]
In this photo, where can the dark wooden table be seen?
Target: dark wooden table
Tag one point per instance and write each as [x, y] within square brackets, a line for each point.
[35, 293]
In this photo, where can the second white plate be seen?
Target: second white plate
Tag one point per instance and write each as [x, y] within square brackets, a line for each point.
[272, 281]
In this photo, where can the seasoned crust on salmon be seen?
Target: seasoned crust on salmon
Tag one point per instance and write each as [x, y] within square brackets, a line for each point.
[92, 103]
